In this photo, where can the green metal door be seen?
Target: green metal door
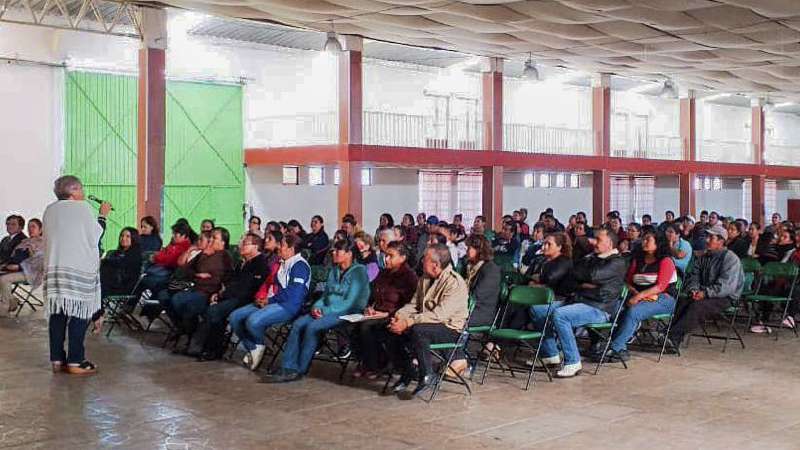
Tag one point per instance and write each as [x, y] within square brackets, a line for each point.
[100, 142]
[204, 175]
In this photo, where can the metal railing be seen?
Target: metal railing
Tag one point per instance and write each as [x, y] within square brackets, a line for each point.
[291, 130]
[414, 130]
[782, 155]
[652, 146]
[530, 138]
[713, 150]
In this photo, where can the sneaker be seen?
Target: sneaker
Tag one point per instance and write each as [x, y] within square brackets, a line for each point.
[344, 352]
[569, 370]
[552, 360]
[255, 356]
[789, 322]
[760, 329]
[617, 356]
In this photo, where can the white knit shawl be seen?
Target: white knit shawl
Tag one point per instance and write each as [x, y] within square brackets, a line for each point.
[72, 259]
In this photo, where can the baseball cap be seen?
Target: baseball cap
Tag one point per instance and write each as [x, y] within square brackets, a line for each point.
[718, 230]
[432, 220]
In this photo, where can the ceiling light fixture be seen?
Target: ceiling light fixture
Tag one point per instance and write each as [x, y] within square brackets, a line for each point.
[713, 97]
[669, 90]
[332, 44]
[530, 72]
[784, 104]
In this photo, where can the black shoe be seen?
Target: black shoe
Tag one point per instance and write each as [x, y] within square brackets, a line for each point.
[286, 377]
[400, 386]
[424, 386]
[618, 356]
[208, 356]
[344, 352]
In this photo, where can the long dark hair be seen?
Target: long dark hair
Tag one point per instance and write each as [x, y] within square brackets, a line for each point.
[135, 239]
[663, 249]
[150, 220]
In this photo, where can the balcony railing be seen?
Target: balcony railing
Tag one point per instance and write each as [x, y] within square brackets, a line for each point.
[292, 130]
[530, 138]
[412, 130]
[652, 146]
[712, 150]
[782, 155]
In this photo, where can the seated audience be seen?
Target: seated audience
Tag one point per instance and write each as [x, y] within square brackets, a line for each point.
[278, 301]
[483, 280]
[506, 244]
[119, 270]
[391, 290]
[149, 235]
[479, 226]
[599, 279]
[409, 231]
[680, 248]
[737, 240]
[254, 226]
[346, 292]
[385, 237]
[14, 226]
[533, 254]
[205, 225]
[714, 282]
[239, 290]
[555, 269]
[25, 264]
[208, 271]
[457, 247]
[365, 254]
[166, 260]
[317, 242]
[385, 222]
[436, 314]
[296, 228]
[652, 287]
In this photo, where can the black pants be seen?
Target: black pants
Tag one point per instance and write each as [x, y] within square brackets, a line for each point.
[210, 333]
[415, 343]
[370, 337]
[690, 314]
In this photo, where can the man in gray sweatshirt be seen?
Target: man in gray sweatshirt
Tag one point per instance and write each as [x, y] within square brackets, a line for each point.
[713, 283]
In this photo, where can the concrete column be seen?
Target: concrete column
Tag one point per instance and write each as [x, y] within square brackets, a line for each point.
[152, 125]
[601, 114]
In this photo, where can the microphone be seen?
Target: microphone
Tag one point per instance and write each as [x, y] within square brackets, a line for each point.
[96, 200]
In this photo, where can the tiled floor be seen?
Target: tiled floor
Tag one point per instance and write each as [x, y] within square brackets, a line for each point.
[146, 398]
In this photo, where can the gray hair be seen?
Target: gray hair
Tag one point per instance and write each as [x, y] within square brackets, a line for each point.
[440, 254]
[390, 233]
[65, 186]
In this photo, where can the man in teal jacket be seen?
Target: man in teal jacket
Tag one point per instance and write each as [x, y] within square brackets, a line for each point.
[346, 292]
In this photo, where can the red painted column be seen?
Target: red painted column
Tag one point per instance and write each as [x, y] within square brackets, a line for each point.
[688, 129]
[687, 193]
[759, 181]
[350, 93]
[601, 196]
[601, 130]
[152, 116]
[492, 115]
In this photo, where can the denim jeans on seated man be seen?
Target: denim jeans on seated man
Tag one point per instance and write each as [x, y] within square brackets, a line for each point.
[565, 318]
[187, 305]
[250, 322]
[634, 315]
[304, 340]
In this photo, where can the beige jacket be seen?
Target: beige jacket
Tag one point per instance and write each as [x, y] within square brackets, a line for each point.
[443, 300]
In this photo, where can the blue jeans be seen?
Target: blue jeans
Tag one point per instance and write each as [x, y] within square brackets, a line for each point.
[187, 305]
[61, 328]
[633, 315]
[565, 318]
[250, 322]
[304, 339]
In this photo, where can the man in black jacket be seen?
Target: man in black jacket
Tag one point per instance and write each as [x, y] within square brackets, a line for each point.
[599, 280]
[14, 225]
[714, 282]
[207, 341]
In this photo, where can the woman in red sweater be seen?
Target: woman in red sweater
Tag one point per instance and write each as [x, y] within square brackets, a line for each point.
[166, 260]
[652, 282]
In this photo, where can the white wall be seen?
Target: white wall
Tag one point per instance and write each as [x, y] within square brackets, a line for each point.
[395, 191]
[270, 199]
[564, 201]
[727, 201]
[667, 196]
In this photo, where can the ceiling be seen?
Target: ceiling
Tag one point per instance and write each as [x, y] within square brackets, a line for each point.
[747, 46]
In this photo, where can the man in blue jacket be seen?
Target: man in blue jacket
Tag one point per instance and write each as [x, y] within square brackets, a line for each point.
[346, 292]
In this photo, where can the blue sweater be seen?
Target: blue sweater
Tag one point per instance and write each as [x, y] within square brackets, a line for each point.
[346, 293]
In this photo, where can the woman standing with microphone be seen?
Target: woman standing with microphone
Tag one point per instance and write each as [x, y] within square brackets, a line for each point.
[72, 278]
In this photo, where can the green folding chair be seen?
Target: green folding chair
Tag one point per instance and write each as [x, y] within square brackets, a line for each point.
[663, 323]
[730, 314]
[770, 273]
[26, 297]
[751, 265]
[522, 296]
[605, 330]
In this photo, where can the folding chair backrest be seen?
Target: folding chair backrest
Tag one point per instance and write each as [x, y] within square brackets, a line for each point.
[751, 265]
[775, 270]
[747, 285]
[531, 295]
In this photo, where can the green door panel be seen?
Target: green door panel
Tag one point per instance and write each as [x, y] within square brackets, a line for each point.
[100, 142]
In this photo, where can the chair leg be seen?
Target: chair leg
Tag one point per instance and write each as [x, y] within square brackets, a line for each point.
[666, 338]
[531, 378]
[488, 363]
[603, 355]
